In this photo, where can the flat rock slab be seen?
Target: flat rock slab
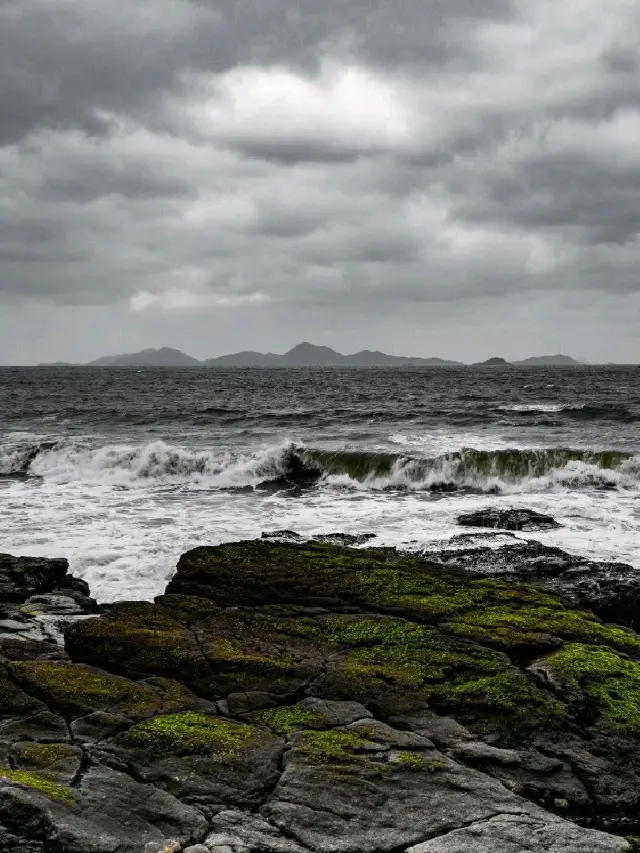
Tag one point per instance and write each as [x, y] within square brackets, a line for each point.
[522, 834]
[109, 813]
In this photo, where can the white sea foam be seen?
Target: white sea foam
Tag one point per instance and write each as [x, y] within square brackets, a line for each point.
[532, 407]
[126, 543]
[161, 463]
[441, 441]
[505, 470]
[123, 513]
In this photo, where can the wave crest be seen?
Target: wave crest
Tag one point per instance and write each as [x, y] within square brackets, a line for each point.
[479, 470]
[291, 466]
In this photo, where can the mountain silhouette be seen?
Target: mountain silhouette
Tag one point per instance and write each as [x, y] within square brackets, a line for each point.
[164, 357]
[306, 354]
[310, 355]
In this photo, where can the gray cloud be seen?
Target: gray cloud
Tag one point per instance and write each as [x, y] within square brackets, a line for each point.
[565, 193]
[250, 163]
[63, 64]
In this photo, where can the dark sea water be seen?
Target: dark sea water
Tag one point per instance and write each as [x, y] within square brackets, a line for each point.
[122, 470]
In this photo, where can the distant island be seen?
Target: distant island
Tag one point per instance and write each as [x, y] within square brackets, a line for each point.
[493, 362]
[308, 355]
[305, 355]
[549, 361]
[164, 357]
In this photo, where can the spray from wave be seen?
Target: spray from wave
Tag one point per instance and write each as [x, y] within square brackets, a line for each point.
[289, 466]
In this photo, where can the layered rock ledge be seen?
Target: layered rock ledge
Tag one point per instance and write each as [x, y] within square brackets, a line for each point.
[287, 697]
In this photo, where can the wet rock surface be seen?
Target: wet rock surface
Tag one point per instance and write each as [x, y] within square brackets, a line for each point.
[39, 599]
[287, 697]
[509, 519]
[612, 590]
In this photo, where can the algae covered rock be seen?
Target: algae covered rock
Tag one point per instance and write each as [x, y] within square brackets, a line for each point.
[284, 697]
[202, 758]
[76, 690]
[611, 590]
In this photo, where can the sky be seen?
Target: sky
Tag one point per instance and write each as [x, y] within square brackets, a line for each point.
[446, 178]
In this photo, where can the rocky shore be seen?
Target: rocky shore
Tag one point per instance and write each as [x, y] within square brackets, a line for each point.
[308, 697]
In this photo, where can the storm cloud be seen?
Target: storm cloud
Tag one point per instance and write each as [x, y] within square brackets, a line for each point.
[410, 176]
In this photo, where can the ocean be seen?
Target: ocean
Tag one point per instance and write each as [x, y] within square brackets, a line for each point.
[123, 470]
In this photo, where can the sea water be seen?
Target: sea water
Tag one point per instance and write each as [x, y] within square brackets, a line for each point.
[122, 470]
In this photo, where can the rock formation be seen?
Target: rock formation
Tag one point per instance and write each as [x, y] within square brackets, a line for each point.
[288, 697]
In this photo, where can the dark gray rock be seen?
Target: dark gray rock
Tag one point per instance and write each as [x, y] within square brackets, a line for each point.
[509, 519]
[283, 536]
[349, 539]
[42, 726]
[400, 792]
[510, 834]
[239, 832]
[110, 813]
[98, 726]
[23, 577]
[39, 599]
[611, 590]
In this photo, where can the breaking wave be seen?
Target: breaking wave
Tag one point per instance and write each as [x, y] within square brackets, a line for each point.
[290, 466]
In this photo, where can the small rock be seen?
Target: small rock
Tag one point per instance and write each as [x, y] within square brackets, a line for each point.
[59, 605]
[348, 539]
[244, 703]
[283, 535]
[482, 752]
[509, 519]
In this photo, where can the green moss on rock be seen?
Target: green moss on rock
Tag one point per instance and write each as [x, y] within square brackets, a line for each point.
[13, 700]
[411, 761]
[286, 720]
[416, 763]
[268, 662]
[78, 688]
[140, 639]
[438, 637]
[505, 698]
[188, 610]
[44, 755]
[520, 624]
[38, 782]
[262, 573]
[609, 681]
[399, 665]
[191, 733]
[332, 747]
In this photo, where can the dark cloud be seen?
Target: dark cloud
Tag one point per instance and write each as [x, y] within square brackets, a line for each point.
[583, 199]
[65, 64]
